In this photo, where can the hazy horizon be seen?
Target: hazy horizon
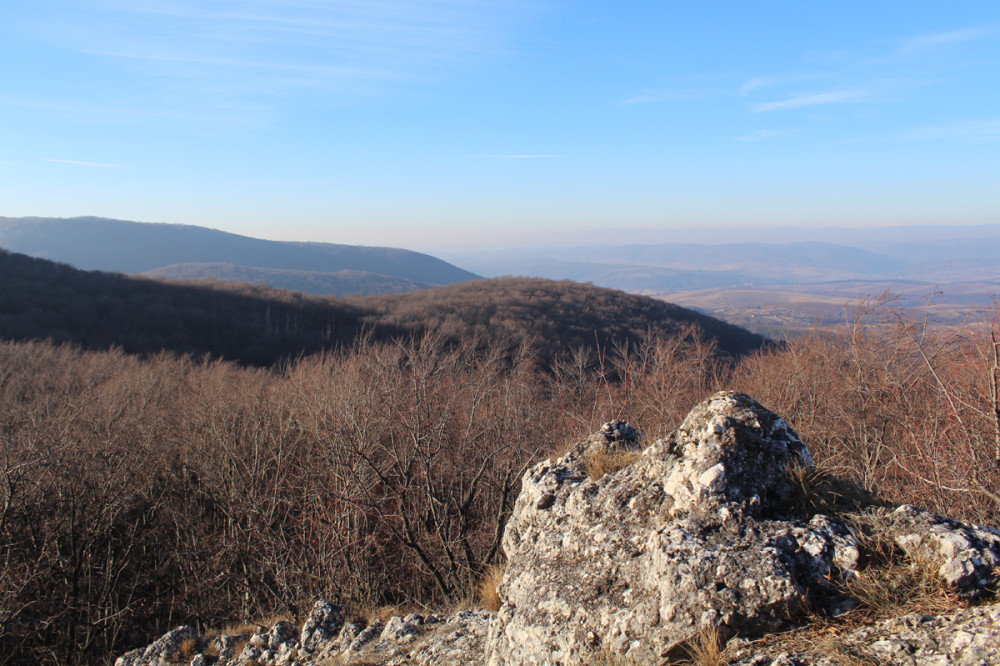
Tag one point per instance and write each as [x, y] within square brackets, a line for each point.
[427, 124]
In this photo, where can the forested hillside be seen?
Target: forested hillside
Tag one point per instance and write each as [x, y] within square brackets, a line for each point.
[336, 283]
[256, 325]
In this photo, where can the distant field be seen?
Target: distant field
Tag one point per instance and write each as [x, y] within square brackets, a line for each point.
[782, 310]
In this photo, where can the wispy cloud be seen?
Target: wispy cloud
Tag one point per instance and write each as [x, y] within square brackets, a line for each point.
[903, 67]
[269, 45]
[675, 95]
[100, 165]
[767, 135]
[932, 41]
[757, 83]
[811, 99]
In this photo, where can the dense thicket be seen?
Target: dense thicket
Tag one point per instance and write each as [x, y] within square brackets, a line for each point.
[256, 325]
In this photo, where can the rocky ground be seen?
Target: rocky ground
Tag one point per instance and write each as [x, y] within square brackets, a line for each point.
[719, 544]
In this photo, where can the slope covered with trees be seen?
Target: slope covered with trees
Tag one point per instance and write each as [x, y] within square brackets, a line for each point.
[334, 283]
[260, 326]
[556, 315]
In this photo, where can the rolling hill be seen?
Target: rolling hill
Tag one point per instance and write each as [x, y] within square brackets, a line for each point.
[256, 325]
[94, 243]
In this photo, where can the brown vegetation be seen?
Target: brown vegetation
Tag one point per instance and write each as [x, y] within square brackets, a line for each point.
[140, 493]
[601, 461]
[706, 649]
[487, 590]
[254, 325]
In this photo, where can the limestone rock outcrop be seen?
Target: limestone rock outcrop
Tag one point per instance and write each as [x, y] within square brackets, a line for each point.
[626, 551]
[423, 640]
[689, 536]
[967, 637]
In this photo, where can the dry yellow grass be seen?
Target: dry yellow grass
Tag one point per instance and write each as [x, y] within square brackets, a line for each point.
[188, 647]
[893, 583]
[370, 614]
[235, 629]
[707, 649]
[817, 490]
[561, 450]
[272, 620]
[821, 637]
[601, 461]
[486, 590]
[900, 587]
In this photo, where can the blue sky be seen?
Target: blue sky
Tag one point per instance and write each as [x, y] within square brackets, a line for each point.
[430, 122]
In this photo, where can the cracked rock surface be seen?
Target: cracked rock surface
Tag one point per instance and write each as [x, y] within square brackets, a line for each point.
[689, 536]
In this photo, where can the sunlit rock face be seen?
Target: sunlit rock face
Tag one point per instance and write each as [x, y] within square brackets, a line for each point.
[635, 562]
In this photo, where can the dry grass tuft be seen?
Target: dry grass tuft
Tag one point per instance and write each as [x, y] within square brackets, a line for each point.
[821, 638]
[272, 620]
[561, 450]
[891, 583]
[188, 647]
[901, 587]
[707, 649]
[368, 615]
[463, 603]
[245, 629]
[600, 461]
[844, 654]
[817, 490]
[234, 629]
[239, 645]
[487, 589]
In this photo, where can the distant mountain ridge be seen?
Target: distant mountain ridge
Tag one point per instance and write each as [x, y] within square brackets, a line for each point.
[666, 267]
[94, 243]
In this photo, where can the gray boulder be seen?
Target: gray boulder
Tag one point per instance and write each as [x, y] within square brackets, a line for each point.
[165, 650]
[967, 556]
[322, 626]
[692, 534]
